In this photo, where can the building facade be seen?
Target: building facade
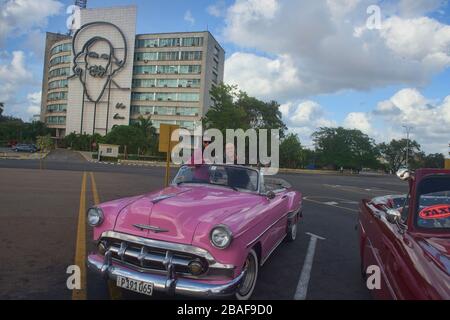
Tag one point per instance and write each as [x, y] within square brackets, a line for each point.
[105, 75]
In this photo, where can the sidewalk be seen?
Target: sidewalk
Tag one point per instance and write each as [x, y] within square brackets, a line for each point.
[88, 156]
[23, 156]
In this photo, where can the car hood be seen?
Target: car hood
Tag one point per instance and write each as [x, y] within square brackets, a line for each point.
[175, 212]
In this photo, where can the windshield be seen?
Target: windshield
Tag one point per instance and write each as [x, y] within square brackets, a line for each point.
[434, 203]
[237, 178]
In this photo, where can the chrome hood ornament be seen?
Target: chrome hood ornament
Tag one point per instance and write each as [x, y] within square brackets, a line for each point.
[151, 228]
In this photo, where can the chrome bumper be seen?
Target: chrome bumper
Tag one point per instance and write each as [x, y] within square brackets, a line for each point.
[167, 284]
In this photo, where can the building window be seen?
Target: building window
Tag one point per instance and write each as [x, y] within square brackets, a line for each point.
[189, 83]
[144, 69]
[56, 120]
[141, 110]
[216, 51]
[215, 77]
[146, 56]
[147, 43]
[142, 96]
[143, 83]
[57, 96]
[166, 111]
[57, 108]
[169, 42]
[61, 48]
[186, 124]
[58, 84]
[166, 96]
[168, 56]
[61, 59]
[188, 97]
[59, 72]
[191, 55]
[187, 111]
[190, 69]
[193, 42]
[168, 69]
[167, 83]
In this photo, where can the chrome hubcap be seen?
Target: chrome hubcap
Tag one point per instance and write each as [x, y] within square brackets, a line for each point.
[294, 231]
[247, 284]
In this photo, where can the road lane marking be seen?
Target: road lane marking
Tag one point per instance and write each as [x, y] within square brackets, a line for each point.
[94, 189]
[80, 249]
[331, 205]
[302, 286]
[114, 292]
[358, 190]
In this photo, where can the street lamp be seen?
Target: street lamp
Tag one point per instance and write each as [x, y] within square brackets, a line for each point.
[408, 131]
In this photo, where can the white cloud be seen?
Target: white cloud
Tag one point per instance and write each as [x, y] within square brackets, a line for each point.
[17, 17]
[318, 40]
[13, 75]
[34, 103]
[413, 8]
[429, 119]
[261, 76]
[359, 121]
[189, 18]
[218, 9]
[304, 118]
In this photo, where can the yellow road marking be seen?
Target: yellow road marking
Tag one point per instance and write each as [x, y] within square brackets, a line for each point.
[114, 292]
[94, 189]
[80, 250]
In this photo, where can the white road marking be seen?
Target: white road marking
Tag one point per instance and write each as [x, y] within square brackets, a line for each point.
[331, 203]
[302, 287]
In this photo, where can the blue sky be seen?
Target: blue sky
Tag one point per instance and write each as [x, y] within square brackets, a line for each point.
[324, 68]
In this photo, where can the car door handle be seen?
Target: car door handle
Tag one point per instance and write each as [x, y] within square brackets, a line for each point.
[284, 197]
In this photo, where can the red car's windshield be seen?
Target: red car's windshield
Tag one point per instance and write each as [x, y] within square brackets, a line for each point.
[230, 176]
[433, 211]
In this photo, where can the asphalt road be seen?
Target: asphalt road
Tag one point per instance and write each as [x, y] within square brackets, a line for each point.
[39, 211]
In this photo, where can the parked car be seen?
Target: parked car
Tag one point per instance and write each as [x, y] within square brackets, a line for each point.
[206, 235]
[25, 148]
[408, 237]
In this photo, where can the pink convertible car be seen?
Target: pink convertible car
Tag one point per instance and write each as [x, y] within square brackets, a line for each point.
[204, 236]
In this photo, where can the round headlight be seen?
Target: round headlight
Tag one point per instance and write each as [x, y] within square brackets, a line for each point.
[221, 237]
[95, 217]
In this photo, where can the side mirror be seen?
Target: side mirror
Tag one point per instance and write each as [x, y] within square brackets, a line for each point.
[393, 216]
[404, 174]
[270, 195]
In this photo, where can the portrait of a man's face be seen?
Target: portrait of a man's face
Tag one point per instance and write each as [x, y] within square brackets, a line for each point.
[97, 59]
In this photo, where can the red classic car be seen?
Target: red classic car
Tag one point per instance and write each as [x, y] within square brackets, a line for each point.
[205, 236]
[408, 238]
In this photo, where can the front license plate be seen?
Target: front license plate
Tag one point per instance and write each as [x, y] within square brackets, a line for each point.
[135, 285]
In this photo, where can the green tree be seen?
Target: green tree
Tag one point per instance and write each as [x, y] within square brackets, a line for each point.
[145, 125]
[225, 113]
[45, 143]
[131, 137]
[291, 152]
[394, 152]
[234, 109]
[434, 160]
[2, 107]
[339, 147]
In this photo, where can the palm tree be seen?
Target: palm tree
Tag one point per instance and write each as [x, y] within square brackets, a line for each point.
[146, 125]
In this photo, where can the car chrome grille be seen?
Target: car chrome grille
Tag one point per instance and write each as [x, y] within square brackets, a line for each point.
[150, 258]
